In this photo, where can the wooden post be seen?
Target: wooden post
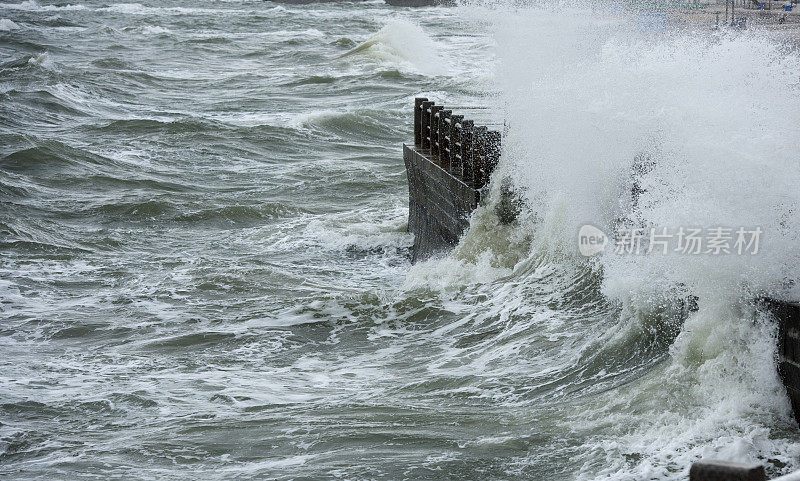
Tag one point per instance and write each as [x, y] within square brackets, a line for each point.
[425, 124]
[465, 152]
[418, 120]
[444, 137]
[493, 139]
[486, 155]
[454, 146]
[433, 128]
[479, 155]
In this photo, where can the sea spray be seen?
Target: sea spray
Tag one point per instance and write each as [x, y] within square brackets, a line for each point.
[586, 94]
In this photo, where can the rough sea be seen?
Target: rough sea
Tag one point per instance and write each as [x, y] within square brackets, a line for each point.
[205, 271]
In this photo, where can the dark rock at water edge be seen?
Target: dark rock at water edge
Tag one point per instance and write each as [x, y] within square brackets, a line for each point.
[307, 2]
[724, 471]
[419, 3]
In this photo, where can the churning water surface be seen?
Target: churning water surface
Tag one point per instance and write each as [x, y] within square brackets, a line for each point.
[205, 274]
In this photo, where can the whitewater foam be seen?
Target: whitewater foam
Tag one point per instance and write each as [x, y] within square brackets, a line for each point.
[403, 43]
[8, 25]
[43, 60]
[155, 30]
[140, 9]
[31, 5]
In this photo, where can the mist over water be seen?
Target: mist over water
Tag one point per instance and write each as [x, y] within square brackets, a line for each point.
[204, 269]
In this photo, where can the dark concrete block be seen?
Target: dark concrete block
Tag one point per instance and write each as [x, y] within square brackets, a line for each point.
[724, 471]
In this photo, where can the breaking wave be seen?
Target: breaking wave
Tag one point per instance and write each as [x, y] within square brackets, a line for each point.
[586, 97]
[403, 43]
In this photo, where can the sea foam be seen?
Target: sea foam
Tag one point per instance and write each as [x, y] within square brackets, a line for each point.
[7, 25]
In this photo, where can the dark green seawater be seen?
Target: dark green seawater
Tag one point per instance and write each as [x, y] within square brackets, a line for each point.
[205, 274]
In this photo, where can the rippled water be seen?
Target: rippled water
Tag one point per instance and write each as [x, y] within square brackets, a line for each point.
[205, 272]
